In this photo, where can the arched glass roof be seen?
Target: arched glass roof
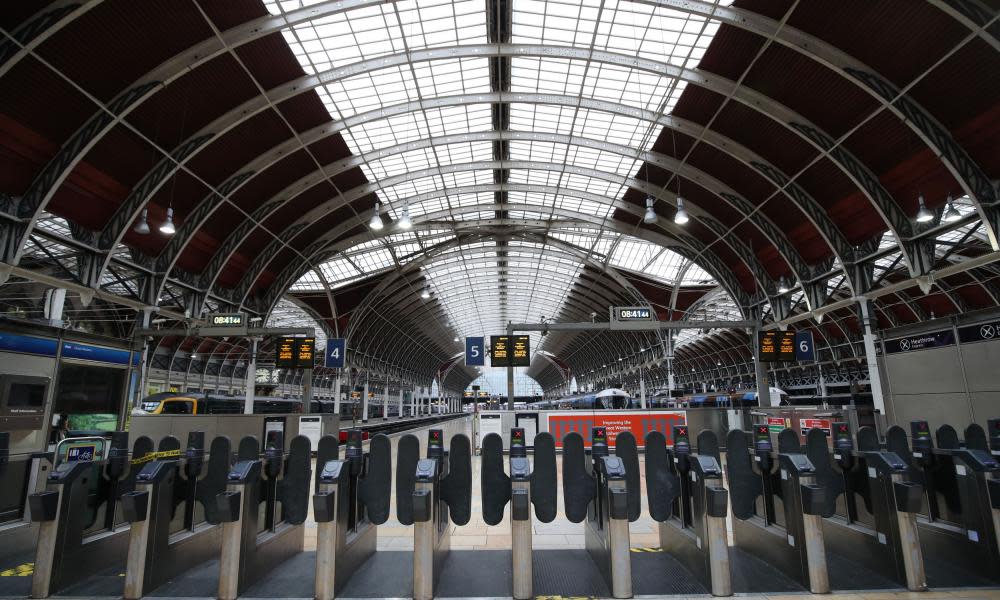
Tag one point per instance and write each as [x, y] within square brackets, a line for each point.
[630, 28]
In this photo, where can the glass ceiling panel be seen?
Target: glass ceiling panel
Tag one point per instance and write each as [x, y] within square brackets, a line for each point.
[540, 282]
[289, 314]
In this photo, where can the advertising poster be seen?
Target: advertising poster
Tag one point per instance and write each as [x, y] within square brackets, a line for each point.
[639, 423]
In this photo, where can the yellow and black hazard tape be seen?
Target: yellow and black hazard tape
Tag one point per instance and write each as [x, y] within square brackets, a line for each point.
[156, 455]
[646, 549]
[25, 570]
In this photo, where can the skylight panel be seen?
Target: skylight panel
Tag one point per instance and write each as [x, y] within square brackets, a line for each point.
[373, 260]
[542, 118]
[633, 254]
[338, 269]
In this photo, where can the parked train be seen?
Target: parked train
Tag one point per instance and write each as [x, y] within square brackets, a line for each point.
[622, 401]
[186, 403]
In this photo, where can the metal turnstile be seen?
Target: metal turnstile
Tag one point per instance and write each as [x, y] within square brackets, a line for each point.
[80, 531]
[351, 500]
[791, 539]
[685, 496]
[881, 532]
[958, 524]
[170, 490]
[251, 548]
[431, 494]
[524, 487]
[603, 492]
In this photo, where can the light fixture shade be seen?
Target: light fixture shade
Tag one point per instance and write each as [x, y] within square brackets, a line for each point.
[168, 225]
[376, 222]
[681, 217]
[782, 285]
[142, 225]
[923, 215]
[404, 219]
[650, 217]
[425, 294]
[951, 214]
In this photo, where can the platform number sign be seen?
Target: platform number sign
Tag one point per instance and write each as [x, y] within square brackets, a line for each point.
[336, 348]
[804, 349]
[475, 351]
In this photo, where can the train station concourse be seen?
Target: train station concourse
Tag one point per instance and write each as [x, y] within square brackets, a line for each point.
[528, 299]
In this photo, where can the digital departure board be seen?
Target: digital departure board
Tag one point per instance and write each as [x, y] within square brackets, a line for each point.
[521, 356]
[776, 346]
[295, 353]
[305, 353]
[499, 351]
[509, 351]
[284, 357]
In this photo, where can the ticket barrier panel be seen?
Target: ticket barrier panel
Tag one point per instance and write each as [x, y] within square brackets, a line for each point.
[351, 500]
[247, 554]
[793, 539]
[75, 538]
[686, 497]
[523, 488]
[603, 491]
[891, 546]
[431, 493]
[960, 525]
[162, 487]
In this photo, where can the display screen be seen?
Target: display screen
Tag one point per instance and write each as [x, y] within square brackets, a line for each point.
[226, 319]
[499, 351]
[843, 431]
[435, 437]
[763, 433]
[284, 357]
[305, 353]
[680, 434]
[599, 435]
[26, 397]
[295, 353]
[510, 351]
[521, 356]
[776, 346]
[517, 436]
[633, 314]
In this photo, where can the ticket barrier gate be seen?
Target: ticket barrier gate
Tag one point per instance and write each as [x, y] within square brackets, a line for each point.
[686, 497]
[791, 539]
[351, 500]
[962, 494]
[890, 545]
[79, 532]
[431, 493]
[604, 491]
[523, 488]
[165, 490]
[251, 549]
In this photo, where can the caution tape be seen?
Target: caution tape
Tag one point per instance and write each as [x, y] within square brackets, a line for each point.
[156, 455]
[645, 549]
[25, 570]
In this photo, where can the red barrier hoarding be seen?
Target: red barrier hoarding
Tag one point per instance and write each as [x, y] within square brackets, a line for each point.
[639, 423]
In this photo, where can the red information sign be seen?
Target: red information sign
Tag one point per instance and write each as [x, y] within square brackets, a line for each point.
[639, 423]
[806, 424]
[776, 424]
